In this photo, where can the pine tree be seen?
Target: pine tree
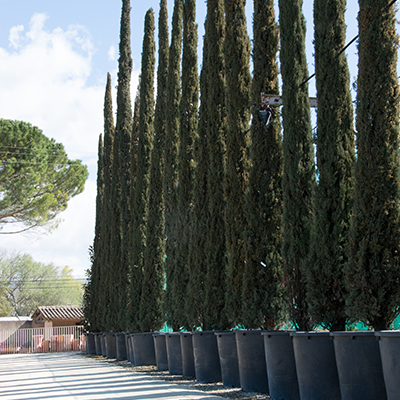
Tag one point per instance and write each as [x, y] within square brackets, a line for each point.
[171, 160]
[188, 130]
[335, 158]
[214, 77]
[151, 317]
[108, 209]
[145, 143]
[238, 80]
[298, 160]
[263, 301]
[373, 273]
[197, 265]
[124, 132]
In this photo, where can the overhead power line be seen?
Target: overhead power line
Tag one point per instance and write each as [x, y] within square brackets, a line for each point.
[348, 44]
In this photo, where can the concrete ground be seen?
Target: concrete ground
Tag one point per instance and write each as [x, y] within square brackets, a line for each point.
[62, 376]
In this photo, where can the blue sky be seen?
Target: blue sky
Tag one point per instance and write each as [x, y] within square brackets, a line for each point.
[54, 57]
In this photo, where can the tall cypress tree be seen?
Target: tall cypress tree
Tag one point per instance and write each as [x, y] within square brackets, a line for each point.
[197, 265]
[263, 301]
[145, 143]
[134, 145]
[105, 270]
[335, 158]
[298, 160]
[214, 77]
[237, 59]
[171, 160]
[151, 317]
[114, 255]
[124, 132]
[92, 290]
[188, 130]
[373, 272]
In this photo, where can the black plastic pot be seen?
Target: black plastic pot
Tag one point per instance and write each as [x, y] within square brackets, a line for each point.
[90, 346]
[103, 345]
[228, 359]
[111, 345]
[389, 345]
[97, 343]
[252, 364]
[161, 351]
[281, 365]
[131, 349]
[316, 366]
[359, 365]
[174, 353]
[121, 346]
[143, 349]
[128, 346]
[188, 370]
[206, 358]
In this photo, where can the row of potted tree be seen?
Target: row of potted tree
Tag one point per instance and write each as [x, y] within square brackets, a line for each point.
[286, 365]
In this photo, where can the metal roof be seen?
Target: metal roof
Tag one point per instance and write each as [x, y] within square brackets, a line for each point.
[52, 313]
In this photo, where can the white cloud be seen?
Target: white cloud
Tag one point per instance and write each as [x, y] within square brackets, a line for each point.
[14, 36]
[112, 53]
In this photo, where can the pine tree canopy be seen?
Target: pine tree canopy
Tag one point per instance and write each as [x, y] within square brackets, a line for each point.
[36, 178]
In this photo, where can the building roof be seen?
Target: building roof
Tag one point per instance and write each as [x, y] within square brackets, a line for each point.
[54, 313]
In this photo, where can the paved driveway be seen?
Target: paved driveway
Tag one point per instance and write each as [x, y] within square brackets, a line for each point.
[73, 376]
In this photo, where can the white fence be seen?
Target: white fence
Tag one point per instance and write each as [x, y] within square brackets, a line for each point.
[42, 340]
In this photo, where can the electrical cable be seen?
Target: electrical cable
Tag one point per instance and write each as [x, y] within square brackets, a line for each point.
[348, 44]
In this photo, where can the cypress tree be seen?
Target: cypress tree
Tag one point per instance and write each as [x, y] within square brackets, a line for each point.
[145, 142]
[197, 265]
[335, 158]
[105, 271]
[171, 160]
[134, 145]
[215, 86]
[298, 160]
[263, 301]
[188, 130]
[373, 273]
[92, 290]
[237, 59]
[124, 132]
[151, 317]
[109, 295]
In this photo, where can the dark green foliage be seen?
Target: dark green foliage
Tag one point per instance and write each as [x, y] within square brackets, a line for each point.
[263, 301]
[373, 274]
[214, 98]
[151, 317]
[197, 264]
[335, 158]
[124, 133]
[92, 290]
[188, 130]
[237, 58]
[145, 143]
[298, 160]
[105, 271]
[171, 159]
